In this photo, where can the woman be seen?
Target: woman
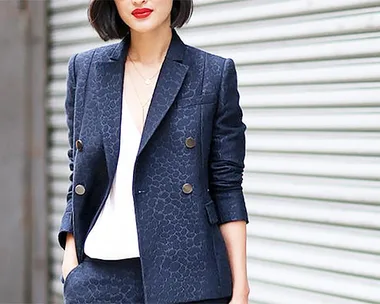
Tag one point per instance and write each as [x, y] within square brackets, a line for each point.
[155, 210]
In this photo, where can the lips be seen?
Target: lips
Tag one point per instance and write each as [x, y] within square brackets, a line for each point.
[141, 12]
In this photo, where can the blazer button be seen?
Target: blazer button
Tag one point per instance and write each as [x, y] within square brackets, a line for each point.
[79, 145]
[190, 142]
[187, 188]
[80, 189]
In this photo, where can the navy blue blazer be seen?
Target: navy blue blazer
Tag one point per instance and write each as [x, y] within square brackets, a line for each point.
[188, 170]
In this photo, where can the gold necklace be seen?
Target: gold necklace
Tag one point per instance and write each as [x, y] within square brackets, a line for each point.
[147, 81]
[143, 105]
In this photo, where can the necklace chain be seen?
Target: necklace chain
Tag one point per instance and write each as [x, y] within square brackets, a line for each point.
[143, 105]
[148, 80]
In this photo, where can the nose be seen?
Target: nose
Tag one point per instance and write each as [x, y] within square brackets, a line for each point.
[137, 3]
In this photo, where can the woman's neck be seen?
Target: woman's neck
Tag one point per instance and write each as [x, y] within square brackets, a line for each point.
[150, 48]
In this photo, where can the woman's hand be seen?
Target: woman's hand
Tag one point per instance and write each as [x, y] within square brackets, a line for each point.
[70, 260]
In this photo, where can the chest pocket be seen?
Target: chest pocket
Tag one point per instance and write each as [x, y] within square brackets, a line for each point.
[196, 100]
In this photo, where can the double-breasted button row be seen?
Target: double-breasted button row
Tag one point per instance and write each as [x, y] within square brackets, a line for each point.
[80, 189]
[190, 142]
[187, 188]
[79, 145]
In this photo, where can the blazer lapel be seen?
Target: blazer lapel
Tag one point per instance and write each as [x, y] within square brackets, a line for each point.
[169, 82]
[108, 90]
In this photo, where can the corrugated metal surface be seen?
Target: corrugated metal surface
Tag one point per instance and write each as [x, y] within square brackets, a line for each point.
[309, 74]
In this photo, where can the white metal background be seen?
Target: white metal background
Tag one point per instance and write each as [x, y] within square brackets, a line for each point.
[309, 74]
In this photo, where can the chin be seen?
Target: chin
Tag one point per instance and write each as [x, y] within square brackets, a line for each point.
[143, 28]
[147, 26]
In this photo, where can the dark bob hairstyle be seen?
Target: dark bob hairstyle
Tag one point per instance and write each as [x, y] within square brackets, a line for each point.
[105, 19]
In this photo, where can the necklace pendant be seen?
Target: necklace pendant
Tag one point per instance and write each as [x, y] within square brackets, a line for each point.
[147, 81]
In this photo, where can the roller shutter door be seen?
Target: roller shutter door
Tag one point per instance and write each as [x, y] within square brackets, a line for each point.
[309, 75]
[69, 33]
[309, 80]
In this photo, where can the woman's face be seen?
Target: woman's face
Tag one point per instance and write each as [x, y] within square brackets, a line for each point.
[145, 15]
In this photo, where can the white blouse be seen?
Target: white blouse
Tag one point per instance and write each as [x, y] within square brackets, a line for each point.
[114, 235]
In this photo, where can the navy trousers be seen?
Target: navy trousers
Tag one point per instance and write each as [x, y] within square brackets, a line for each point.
[99, 281]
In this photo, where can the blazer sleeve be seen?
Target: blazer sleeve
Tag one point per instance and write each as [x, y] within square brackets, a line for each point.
[226, 163]
[67, 218]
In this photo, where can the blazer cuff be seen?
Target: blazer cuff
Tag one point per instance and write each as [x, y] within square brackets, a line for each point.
[66, 226]
[231, 207]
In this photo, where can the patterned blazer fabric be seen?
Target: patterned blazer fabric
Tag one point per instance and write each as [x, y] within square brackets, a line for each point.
[188, 171]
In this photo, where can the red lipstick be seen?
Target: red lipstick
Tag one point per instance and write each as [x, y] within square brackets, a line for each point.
[141, 13]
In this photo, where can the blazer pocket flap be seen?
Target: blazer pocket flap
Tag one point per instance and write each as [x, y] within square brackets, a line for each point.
[212, 213]
[195, 100]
